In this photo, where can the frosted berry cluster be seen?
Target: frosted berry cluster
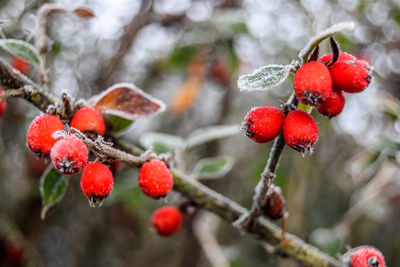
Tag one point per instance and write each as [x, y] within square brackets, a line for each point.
[69, 155]
[320, 84]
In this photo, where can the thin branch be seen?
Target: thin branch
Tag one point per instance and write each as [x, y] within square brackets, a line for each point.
[198, 193]
[263, 188]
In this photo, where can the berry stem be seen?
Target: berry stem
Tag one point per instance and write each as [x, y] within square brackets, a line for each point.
[263, 188]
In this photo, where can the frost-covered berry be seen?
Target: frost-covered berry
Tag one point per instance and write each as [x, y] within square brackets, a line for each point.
[343, 56]
[167, 220]
[3, 104]
[155, 179]
[21, 65]
[40, 138]
[351, 76]
[333, 105]
[69, 155]
[364, 256]
[88, 120]
[96, 182]
[300, 131]
[263, 124]
[312, 83]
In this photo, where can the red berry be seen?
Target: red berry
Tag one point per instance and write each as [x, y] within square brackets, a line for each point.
[364, 256]
[69, 155]
[262, 124]
[96, 182]
[88, 120]
[351, 76]
[300, 131]
[312, 83]
[333, 105]
[155, 179]
[21, 64]
[220, 72]
[2, 104]
[167, 220]
[40, 138]
[343, 56]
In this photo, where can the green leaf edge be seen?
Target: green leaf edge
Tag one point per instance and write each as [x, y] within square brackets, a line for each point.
[33, 54]
[46, 207]
[202, 162]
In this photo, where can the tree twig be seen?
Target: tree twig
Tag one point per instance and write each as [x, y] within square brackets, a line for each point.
[263, 187]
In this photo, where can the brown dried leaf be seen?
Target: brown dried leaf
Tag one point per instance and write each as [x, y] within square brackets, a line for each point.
[127, 101]
[84, 12]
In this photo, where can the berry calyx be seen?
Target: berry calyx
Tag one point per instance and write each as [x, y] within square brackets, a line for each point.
[263, 124]
[351, 76]
[343, 56]
[155, 179]
[364, 256]
[312, 83]
[3, 104]
[69, 155]
[300, 131]
[333, 105]
[40, 138]
[167, 220]
[88, 120]
[96, 182]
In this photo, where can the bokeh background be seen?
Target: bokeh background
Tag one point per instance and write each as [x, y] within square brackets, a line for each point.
[189, 54]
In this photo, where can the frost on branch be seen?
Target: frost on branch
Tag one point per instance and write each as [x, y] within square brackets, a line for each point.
[264, 78]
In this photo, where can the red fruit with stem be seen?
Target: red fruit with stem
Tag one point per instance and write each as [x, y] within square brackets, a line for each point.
[351, 76]
[263, 124]
[167, 220]
[3, 104]
[333, 105]
[69, 155]
[312, 83]
[21, 65]
[88, 120]
[155, 179]
[96, 182]
[300, 131]
[364, 256]
[40, 138]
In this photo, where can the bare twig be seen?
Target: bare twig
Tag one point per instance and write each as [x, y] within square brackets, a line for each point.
[263, 187]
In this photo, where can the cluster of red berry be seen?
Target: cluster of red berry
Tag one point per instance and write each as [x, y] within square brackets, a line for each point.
[364, 256]
[69, 155]
[318, 84]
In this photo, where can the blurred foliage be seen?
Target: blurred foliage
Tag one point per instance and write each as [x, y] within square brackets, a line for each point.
[346, 193]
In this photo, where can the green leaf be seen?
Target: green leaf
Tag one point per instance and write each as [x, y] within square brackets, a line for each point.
[208, 134]
[161, 143]
[212, 168]
[21, 49]
[264, 78]
[118, 124]
[344, 26]
[52, 188]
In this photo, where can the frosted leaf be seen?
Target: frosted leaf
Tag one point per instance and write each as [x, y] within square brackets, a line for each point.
[21, 49]
[264, 78]
[211, 133]
[343, 26]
